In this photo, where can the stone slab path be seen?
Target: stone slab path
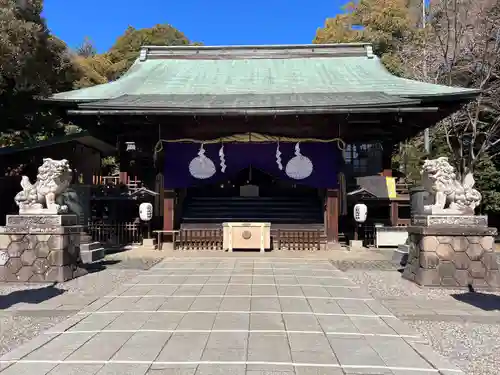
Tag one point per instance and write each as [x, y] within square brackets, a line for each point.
[229, 315]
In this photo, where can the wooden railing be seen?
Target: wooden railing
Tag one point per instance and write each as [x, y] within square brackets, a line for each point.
[402, 188]
[303, 239]
[199, 239]
[284, 239]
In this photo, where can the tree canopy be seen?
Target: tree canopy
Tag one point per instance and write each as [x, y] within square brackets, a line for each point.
[32, 63]
[459, 46]
[387, 24]
[102, 68]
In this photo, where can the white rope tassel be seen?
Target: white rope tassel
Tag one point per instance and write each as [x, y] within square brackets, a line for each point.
[297, 149]
[278, 157]
[222, 159]
[201, 151]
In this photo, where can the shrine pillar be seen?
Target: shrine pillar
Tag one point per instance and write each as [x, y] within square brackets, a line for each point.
[332, 215]
[387, 151]
[168, 209]
[124, 162]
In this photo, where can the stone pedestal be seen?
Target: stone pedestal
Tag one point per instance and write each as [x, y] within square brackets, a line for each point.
[452, 251]
[40, 248]
[356, 245]
[149, 242]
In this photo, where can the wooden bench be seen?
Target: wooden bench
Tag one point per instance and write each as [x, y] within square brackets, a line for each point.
[160, 234]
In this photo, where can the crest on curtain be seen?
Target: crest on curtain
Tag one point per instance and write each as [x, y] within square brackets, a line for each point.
[201, 167]
[300, 166]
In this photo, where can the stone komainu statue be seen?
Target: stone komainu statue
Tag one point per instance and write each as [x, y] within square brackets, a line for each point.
[450, 195]
[52, 180]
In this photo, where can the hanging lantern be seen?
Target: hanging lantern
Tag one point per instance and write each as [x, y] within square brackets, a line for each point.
[130, 146]
[360, 212]
[146, 211]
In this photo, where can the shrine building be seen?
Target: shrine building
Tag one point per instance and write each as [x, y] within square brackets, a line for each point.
[259, 133]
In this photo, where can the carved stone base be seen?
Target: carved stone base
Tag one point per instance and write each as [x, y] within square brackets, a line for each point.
[453, 256]
[37, 248]
[27, 221]
[39, 210]
[450, 220]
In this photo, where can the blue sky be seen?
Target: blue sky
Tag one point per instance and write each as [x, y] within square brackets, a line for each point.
[216, 22]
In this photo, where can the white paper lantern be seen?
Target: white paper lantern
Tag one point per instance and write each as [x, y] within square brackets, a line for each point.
[146, 211]
[202, 167]
[360, 212]
[300, 166]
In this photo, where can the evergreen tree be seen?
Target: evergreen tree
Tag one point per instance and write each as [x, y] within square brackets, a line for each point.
[33, 63]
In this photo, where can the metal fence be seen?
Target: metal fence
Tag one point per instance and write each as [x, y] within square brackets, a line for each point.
[115, 233]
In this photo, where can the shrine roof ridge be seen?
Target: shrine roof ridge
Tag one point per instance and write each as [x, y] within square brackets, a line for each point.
[257, 51]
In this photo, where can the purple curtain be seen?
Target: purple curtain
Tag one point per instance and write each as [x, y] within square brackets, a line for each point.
[313, 164]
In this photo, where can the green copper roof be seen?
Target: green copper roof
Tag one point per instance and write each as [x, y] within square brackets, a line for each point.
[184, 71]
[228, 101]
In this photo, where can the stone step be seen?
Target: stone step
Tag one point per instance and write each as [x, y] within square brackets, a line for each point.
[90, 246]
[400, 255]
[91, 256]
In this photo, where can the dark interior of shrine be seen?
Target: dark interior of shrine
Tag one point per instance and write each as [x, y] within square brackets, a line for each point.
[269, 186]
[274, 200]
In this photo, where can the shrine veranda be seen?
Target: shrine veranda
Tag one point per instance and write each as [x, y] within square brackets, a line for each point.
[248, 127]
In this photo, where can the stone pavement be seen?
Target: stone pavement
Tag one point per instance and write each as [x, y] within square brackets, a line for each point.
[231, 315]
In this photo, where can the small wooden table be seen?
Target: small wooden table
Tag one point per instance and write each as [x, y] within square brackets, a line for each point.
[160, 234]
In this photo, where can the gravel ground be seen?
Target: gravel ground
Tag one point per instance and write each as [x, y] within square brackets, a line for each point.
[17, 324]
[474, 347]
[15, 330]
[372, 265]
[390, 284]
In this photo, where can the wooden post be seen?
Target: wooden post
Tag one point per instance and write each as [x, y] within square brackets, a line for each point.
[387, 151]
[332, 215]
[394, 214]
[168, 209]
[124, 163]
